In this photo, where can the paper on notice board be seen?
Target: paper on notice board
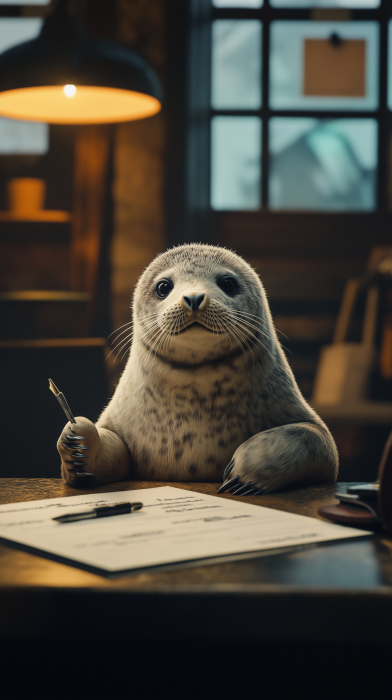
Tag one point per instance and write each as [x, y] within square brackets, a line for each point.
[175, 525]
[334, 71]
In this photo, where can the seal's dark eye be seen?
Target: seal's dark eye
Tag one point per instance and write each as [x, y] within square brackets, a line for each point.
[163, 288]
[228, 284]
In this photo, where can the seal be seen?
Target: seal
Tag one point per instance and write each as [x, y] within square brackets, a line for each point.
[206, 386]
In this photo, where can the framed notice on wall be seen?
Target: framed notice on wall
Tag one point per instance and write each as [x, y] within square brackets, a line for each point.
[334, 67]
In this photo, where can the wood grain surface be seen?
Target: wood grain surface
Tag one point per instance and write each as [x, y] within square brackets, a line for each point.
[304, 501]
[272, 596]
[22, 568]
[19, 568]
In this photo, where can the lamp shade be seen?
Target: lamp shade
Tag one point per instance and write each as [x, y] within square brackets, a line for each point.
[67, 77]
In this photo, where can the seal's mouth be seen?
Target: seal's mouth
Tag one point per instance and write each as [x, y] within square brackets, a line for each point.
[196, 324]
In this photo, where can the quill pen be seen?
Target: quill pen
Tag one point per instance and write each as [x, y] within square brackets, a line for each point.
[62, 401]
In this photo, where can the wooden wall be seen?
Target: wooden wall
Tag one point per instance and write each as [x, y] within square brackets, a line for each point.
[138, 164]
[304, 261]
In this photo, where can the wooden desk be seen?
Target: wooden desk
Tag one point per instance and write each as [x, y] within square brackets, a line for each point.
[323, 593]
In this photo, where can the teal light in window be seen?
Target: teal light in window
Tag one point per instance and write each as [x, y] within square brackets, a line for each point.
[24, 2]
[17, 136]
[236, 64]
[237, 3]
[353, 4]
[325, 165]
[235, 162]
[390, 64]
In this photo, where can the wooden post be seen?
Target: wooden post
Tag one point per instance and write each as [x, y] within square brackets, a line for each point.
[91, 175]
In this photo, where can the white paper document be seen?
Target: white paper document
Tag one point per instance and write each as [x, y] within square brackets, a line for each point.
[174, 526]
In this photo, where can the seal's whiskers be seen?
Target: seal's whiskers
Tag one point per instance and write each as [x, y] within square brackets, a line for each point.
[248, 328]
[216, 322]
[119, 343]
[128, 340]
[265, 323]
[251, 323]
[129, 323]
[234, 327]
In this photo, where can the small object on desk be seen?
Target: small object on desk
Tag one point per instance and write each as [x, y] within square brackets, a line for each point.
[81, 475]
[354, 511]
[368, 505]
[358, 501]
[365, 490]
[100, 512]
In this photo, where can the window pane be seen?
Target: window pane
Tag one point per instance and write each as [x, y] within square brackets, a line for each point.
[235, 162]
[355, 4]
[23, 137]
[237, 3]
[322, 164]
[24, 2]
[390, 64]
[15, 30]
[236, 64]
[287, 72]
[18, 136]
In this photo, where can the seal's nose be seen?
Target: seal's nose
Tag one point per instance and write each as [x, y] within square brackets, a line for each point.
[193, 301]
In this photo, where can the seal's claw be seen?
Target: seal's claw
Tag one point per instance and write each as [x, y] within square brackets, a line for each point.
[79, 446]
[235, 487]
[228, 484]
[249, 489]
[243, 487]
[260, 491]
[73, 447]
[228, 470]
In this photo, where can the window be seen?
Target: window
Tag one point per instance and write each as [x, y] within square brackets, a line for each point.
[357, 4]
[300, 104]
[25, 2]
[16, 136]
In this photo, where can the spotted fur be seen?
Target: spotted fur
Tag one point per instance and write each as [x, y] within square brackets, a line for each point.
[201, 386]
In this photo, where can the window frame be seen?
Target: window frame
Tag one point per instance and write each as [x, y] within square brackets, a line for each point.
[382, 115]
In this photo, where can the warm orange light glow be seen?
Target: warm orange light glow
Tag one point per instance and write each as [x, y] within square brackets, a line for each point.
[89, 105]
[69, 90]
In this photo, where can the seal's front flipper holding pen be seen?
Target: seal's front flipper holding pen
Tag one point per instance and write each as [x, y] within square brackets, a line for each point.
[107, 456]
[81, 444]
[77, 452]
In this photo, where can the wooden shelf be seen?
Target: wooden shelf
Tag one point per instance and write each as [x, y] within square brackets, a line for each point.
[358, 413]
[44, 215]
[53, 343]
[44, 295]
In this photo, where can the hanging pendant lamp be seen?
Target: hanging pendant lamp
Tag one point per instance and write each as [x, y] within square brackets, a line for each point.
[67, 77]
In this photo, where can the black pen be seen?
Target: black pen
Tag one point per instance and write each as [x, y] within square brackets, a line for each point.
[100, 512]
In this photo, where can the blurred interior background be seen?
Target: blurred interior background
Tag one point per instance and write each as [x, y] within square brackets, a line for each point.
[274, 139]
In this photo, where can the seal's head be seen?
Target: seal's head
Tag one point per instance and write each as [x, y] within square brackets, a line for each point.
[198, 303]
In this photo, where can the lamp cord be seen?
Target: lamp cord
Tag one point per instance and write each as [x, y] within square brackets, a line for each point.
[78, 11]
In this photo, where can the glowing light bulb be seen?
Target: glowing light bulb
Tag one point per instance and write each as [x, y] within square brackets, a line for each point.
[69, 90]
